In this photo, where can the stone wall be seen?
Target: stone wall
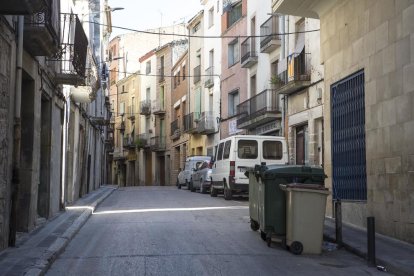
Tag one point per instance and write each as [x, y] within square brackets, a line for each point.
[378, 37]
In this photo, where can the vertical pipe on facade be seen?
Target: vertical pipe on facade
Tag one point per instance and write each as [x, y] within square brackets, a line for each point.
[17, 133]
[189, 86]
[282, 57]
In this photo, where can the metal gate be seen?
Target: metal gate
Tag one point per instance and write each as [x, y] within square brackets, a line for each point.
[348, 138]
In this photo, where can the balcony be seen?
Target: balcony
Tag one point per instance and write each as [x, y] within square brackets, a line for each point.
[131, 112]
[303, 8]
[161, 75]
[19, 7]
[157, 143]
[41, 31]
[190, 122]
[145, 107]
[209, 77]
[158, 107]
[175, 129]
[298, 74]
[197, 74]
[260, 109]
[248, 52]
[269, 31]
[206, 124]
[121, 127]
[119, 154]
[110, 128]
[129, 142]
[73, 51]
[142, 141]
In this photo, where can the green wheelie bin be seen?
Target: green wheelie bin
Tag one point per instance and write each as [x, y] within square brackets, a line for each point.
[267, 202]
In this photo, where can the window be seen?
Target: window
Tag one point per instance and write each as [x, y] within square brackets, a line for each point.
[211, 17]
[196, 27]
[113, 105]
[178, 78]
[253, 85]
[227, 147]
[233, 102]
[233, 52]
[122, 108]
[247, 149]
[220, 151]
[183, 72]
[272, 150]
[234, 14]
[148, 67]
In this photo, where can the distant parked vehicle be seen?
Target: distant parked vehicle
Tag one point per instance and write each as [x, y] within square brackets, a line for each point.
[202, 177]
[185, 177]
[235, 154]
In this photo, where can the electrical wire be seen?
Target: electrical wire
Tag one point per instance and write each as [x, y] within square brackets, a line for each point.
[202, 36]
[159, 75]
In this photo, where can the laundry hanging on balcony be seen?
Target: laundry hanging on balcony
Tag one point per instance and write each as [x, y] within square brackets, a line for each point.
[81, 94]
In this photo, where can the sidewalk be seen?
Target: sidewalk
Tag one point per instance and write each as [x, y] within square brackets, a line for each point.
[396, 256]
[34, 252]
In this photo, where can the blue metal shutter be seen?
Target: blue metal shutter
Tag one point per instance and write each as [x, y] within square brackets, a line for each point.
[348, 138]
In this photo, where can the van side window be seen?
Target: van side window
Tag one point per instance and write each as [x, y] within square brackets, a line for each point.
[247, 149]
[272, 150]
[220, 151]
[227, 147]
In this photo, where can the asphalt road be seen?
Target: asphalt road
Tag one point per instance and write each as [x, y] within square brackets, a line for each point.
[166, 231]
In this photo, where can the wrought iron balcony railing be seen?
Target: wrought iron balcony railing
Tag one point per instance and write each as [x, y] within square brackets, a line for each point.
[41, 30]
[175, 129]
[129, 141]
[297, 75]
[142, 140]
[145, 107]
[259, 109]
[190, 122]
[158, 107]
[269, 32]
[206, 123]
[157, 143]
[248, 52]
[73, 51]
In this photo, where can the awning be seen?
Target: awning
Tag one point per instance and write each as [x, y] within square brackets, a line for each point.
[81, 94]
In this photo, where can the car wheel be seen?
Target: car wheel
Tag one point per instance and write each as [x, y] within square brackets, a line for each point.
[213, 192]
[202, 189]
[228, 195]
[178, 185]
[191, 187]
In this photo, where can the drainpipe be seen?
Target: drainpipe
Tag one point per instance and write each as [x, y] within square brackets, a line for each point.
[17, 133]
[282, 31]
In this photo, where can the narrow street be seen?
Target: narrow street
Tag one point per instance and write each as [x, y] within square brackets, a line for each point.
[166, 231]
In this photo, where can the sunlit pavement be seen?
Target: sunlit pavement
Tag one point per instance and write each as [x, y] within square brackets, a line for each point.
[166, 231]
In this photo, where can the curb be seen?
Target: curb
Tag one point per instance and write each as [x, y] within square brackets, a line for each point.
[59, 245]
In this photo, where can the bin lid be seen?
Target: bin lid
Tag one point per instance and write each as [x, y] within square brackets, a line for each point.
[277, 171]
[310, 188]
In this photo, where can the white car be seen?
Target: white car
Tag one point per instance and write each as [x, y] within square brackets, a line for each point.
[185, 177]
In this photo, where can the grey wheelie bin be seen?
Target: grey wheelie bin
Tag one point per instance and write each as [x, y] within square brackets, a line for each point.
[305, 215]
[267, 202]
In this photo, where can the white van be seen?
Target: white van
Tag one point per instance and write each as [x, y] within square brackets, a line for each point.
[237, 153]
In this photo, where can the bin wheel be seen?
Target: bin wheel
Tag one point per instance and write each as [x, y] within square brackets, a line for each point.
[213, 192]
[296, 248]
[269, 240]
[263, 235]
[227, 193]
[254, 225]
[283, 243]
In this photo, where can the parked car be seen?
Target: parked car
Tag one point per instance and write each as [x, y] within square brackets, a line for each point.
[185, 177]
[202, 177]
[235, 154]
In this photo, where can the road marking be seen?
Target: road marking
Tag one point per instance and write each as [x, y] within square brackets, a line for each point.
[170, 210]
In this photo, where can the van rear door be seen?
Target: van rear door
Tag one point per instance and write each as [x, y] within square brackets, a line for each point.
[273, 152]
[247, 155]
